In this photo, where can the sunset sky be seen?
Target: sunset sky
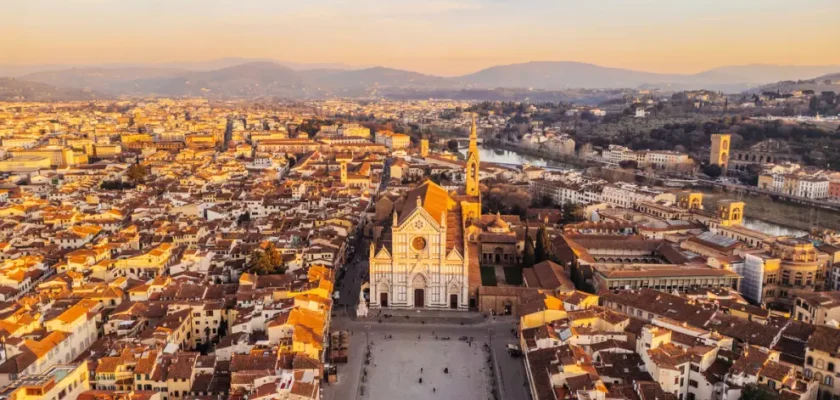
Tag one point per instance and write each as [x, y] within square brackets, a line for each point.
[444, 37]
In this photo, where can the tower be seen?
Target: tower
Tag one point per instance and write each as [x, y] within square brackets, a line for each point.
[424, 147]
[343, 172]
[731, 212]
[720, 150]
[472, 165]
[688, 200]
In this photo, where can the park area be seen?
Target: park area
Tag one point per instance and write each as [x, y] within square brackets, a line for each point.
[407, 368]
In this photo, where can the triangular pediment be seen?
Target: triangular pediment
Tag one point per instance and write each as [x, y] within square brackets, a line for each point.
[418, 220]
[383, 254]
[454, 255]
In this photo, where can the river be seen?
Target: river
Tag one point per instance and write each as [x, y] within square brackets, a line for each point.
[501, 156]
[770, 228]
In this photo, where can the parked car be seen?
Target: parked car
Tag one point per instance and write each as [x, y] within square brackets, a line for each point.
[514, 350]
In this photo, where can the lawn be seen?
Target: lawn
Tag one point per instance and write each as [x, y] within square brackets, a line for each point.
[513, 276]
[488, 276]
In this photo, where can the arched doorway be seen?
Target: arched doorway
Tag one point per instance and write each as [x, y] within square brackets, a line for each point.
[497, 255]
[383, 296]
[419, 285]
[453, 296]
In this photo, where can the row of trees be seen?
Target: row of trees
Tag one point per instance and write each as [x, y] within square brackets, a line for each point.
[505, 198]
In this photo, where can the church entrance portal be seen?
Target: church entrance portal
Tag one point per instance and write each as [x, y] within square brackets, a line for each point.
[453, 301]
[383, 299]
[419, 301]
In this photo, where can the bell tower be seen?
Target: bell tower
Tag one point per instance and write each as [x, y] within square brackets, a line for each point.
[472, 166]
[719, 154]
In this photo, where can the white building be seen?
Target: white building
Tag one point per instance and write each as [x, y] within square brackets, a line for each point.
[812, 188]
[626, 195]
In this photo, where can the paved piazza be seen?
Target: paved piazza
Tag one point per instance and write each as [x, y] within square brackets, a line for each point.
[394, 369]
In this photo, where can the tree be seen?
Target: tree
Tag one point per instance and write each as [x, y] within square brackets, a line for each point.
[504, 198]
[713, 171]
[541, 249]
[629, 164]
[452, 146]
[754, 391]
[571, 213]
[528, 258]
[814, 104]
[137, 173]
[546, 201]
[267, 261]
[244, 217]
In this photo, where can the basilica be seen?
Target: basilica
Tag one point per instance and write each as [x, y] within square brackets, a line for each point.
[423, 258]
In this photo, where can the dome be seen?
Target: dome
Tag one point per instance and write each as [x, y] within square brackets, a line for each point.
[499, 224]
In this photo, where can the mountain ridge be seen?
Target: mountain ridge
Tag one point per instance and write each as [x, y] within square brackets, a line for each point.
[12, 89]
[269, 78]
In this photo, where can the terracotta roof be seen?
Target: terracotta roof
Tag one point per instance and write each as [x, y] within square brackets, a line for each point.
[825, 339]
[547, 275]
[433, 198]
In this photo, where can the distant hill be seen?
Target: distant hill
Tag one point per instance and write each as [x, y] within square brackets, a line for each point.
[765, 73]
[229, 78]
[375, 77]
[824, 83]
[12, 89]
[550, 75]
[17, 71]
[106, 80]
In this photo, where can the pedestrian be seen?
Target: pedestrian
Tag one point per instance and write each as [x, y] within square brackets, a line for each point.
[421, 370]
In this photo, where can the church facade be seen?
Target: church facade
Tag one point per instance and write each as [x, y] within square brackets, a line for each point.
[422, 260]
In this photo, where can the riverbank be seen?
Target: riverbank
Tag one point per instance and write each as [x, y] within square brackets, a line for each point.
[780, 213]
[760, 208]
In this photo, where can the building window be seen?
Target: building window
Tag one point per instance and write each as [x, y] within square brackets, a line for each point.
[827, 380]
[692, 383]
[830, 367]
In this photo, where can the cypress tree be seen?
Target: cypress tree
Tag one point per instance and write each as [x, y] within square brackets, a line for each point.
[541, 249]
[528, 256]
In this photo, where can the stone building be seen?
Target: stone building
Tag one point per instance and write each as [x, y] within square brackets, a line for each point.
[424, 258]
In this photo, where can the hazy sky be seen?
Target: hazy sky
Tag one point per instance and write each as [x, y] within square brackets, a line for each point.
[445, 37]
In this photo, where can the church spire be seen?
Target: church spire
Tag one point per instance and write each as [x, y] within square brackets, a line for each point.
[473, 137]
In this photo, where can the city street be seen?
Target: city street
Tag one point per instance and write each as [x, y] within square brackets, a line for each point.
[350, 283]
[496, 333]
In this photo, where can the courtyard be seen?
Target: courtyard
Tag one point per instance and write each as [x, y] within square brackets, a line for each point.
[404, 367]
[399, 350]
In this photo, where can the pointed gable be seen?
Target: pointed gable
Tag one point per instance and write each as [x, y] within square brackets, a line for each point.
[454, 255]
[383, 254]
[432, 198]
